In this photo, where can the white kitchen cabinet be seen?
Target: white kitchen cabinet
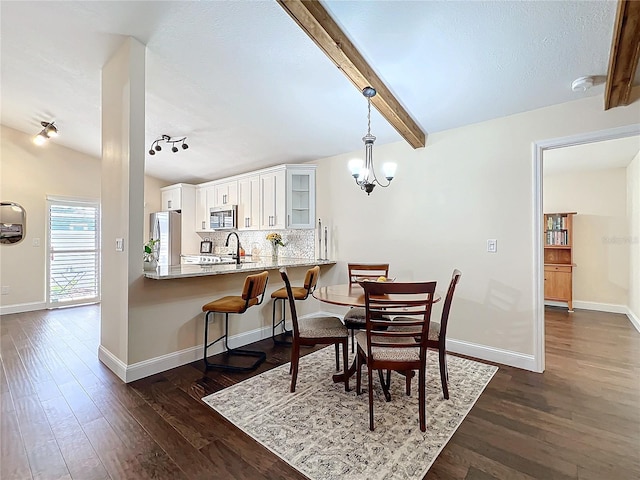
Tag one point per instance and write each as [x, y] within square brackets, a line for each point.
[226, 193]
[177, 197]
[249, 203]
[205, 200]
[301, 196]
[273, 210]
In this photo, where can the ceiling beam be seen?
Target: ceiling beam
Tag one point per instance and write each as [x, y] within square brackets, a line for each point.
[625, 50]
[311, 16]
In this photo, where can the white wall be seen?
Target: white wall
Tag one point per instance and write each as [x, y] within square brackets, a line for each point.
[633, 215]
[28, 174]
[600, 249]
[466, 186]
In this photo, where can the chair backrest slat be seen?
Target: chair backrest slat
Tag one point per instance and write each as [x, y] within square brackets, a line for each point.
[311, 279]
[254, 287]
[398, 304]
[369, 271]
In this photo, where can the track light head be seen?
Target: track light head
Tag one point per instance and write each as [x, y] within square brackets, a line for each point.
[152, 151]
[184, 146]
[174, 149]
[49, 130]
[158, 148]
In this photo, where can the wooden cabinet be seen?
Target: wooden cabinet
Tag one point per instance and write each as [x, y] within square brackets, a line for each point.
[558, 257]
[226, 193]
[301, 196]
[272, 200]
[249, 203]
[205, 200]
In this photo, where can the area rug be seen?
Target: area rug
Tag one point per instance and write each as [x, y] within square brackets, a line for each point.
[323, 431]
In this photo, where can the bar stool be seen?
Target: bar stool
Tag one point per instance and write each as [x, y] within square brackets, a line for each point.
[252, 294]
[299, 293]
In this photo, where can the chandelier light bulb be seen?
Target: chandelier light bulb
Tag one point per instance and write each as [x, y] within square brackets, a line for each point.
[355, 166]
[389, 170]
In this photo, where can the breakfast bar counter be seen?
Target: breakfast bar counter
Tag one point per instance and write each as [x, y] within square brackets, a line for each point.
[248, 266]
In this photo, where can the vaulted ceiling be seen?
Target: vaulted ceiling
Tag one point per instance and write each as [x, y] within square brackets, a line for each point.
[250, 89]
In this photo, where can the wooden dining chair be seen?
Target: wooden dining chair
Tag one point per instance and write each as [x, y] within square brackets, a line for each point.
[437, 338]
[300, 293]
[354, 319]
[402, 350]
[314, 331]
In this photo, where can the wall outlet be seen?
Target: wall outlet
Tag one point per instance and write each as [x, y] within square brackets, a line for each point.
[492, 245]
[5, 290]
[119, 244]
[36, 242]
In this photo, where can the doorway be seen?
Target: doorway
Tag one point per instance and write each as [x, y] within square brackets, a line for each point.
[539, 149]
[73, 242]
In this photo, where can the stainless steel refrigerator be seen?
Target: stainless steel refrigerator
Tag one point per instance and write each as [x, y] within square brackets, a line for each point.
[167, 226]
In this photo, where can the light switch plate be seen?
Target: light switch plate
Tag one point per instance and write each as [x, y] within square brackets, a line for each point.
[119, 244]
[492, 245]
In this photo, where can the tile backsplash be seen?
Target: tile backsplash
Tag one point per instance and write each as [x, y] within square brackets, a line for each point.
[299, 243]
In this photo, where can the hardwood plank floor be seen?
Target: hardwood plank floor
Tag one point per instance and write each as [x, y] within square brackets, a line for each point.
[65, 415]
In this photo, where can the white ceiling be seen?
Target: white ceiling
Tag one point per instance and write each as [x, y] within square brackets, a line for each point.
[249, 89]
[591, 156]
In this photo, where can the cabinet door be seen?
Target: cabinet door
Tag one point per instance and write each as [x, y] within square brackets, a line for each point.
[171, 199]
[557, 283]
[249, 203]
[272, 196]
[226, 194]
[301, 198]
[204, 197]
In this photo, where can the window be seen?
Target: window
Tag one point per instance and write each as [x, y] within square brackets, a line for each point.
[74, 253]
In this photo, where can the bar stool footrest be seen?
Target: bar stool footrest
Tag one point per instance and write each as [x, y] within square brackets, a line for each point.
[261, 357]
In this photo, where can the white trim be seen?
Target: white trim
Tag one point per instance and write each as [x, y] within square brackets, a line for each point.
[113, 363]
[138, 370]
[635, 321]
[601, 307]
[538, 269]
[22, 307]
[491, 354]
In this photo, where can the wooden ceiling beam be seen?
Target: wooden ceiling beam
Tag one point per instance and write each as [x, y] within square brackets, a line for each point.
[312, 17]
[625, 51]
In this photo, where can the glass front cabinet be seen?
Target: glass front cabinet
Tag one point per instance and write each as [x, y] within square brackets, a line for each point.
[301, 196]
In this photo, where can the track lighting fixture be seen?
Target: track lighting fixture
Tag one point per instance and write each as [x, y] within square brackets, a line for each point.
[48, 131]
[155, 146]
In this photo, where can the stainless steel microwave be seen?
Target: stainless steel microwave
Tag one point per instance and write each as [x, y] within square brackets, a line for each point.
[223, 217]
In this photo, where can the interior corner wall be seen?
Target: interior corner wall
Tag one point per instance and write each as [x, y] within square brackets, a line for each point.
[466, 186]
[600, 231]
[28, 173]
[152, 200]
[123, 151]
[633, 215]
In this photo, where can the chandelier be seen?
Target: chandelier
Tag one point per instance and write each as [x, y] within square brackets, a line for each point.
[363, 172]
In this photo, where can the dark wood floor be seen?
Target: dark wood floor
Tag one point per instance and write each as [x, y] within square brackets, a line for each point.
[65, 415]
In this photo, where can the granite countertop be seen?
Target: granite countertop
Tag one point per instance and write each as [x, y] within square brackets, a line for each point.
[263, 263]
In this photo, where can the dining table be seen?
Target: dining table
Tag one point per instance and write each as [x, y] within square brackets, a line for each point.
[349, 295]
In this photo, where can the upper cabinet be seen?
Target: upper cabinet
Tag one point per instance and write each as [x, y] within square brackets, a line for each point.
[177, 197]
[205, 200]
[272, 199]
[249, 203]
[301, 196]
[226, 193]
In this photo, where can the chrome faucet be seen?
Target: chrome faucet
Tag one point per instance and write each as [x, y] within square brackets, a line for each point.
[226, 244]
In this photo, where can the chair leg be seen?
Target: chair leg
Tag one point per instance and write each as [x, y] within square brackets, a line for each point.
[444, 376]
[345, 361]
[260, 356]
[371, 427]
[275, 325]
[421, 398]
[353, 342]
[295, 360]
[408, 375]
[337, 345]
[358, 372]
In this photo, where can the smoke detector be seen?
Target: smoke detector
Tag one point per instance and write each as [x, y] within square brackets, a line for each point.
[582, 84]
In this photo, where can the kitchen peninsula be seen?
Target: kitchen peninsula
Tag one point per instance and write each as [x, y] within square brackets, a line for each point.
[246, 267]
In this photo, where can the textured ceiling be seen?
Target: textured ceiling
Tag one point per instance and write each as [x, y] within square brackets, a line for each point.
[249, 89]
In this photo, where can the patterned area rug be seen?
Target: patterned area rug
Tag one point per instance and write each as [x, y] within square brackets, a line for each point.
[323, 431]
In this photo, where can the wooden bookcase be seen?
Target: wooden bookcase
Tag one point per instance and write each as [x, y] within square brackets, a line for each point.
[558, 257]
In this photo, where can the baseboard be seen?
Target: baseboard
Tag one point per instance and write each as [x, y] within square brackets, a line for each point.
[113, 363]
[22, 307]
[600, 307]
[138, 370]
[491, 354]
[633, 318]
